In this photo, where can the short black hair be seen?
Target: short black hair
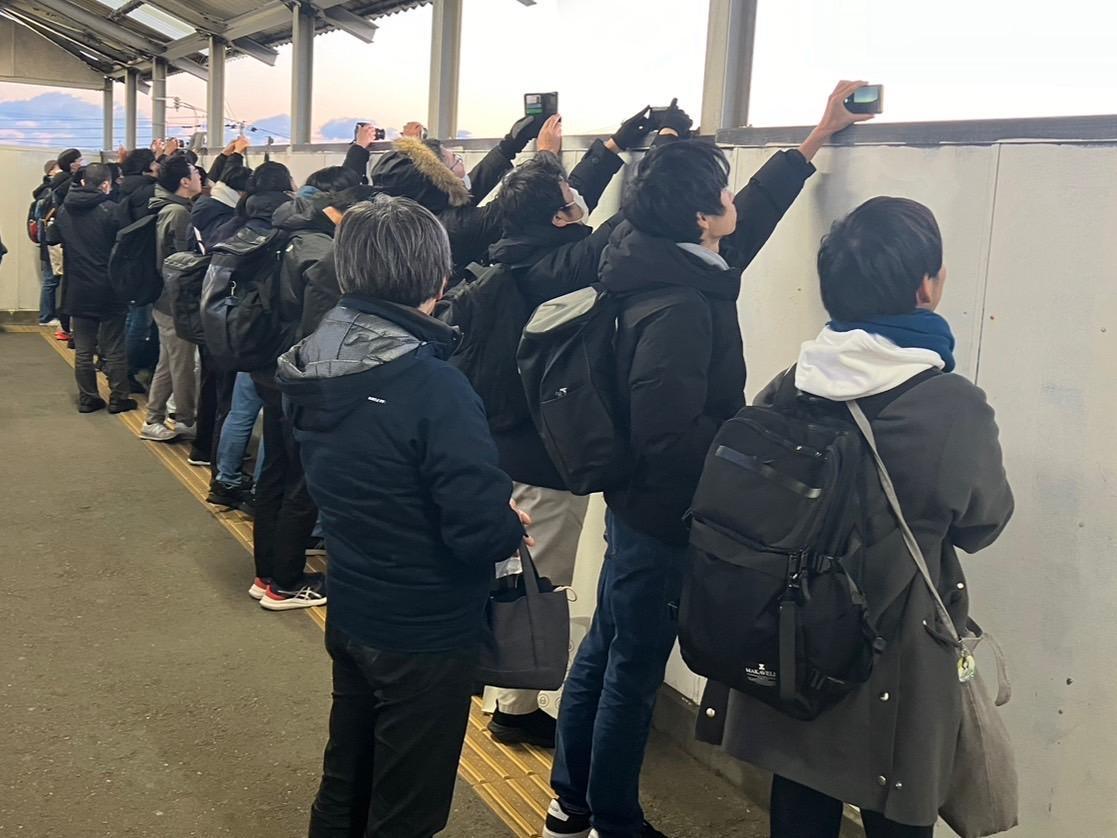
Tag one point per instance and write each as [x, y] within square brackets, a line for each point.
[673, 184]
[531, 193]
[333, 179]
[95, 174]
[346, 198]
[138, 161]
[173, 170]
[873, 260]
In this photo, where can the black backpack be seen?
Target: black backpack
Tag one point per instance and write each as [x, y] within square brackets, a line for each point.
[491, 313]
[568, 366]
[240, 300]
[133, 271]
[183, 275]
[786, 513]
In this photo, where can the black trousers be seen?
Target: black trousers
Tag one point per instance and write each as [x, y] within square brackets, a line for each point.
[800, 812]
[396, 732]
[285, 514]
[108, 334]
[215, 395]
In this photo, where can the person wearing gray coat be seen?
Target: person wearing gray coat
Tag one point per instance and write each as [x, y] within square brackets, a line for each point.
[889, 746]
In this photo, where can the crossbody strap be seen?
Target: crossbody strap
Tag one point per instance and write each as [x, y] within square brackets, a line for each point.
[909, 538]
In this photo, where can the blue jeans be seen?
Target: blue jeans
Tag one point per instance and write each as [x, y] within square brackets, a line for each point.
[607, 702]
[47, 308]
[237, 429]
[141, 339]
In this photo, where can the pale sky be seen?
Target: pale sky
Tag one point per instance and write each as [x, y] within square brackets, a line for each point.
[949, 60]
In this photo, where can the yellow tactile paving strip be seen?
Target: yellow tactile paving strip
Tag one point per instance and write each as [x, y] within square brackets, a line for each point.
[511, 780]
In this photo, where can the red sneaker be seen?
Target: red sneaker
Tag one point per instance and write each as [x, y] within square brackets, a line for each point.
[62, 334]
[258, 589]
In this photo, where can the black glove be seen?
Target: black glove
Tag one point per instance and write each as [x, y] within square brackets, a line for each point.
[634, 129]
[522, 132]
[673, 117]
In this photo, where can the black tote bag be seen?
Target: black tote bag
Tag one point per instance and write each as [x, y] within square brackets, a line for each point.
[526, 644]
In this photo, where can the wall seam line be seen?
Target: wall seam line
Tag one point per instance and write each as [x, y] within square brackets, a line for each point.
[984, 301]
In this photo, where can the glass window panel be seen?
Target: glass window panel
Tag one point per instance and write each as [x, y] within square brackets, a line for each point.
[606, 58]
[948, 60]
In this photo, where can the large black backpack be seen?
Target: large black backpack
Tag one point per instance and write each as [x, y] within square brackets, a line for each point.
[568, 367]
[133, 269]
[786, 515]
[491, 313]
[183, 275]
[240, 300]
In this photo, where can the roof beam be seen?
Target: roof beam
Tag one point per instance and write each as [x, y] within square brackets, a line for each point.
[354, 24]
[271, 15]
[190, 66]
[188, 14]
[85, 40]
[121, 11]
[254, 49]
[102, 27]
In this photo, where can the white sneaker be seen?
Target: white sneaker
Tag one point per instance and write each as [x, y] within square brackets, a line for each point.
[157, 432]
[55, 323]
[187, 432]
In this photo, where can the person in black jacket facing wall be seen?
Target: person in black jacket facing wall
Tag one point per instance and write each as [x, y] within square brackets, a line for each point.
[86, 228]
[682, 370]
[416, 513]
[547, 249]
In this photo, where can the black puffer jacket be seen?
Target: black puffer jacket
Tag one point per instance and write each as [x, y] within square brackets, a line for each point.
[399, 461]
[547, 262]
[413, 171]
[213, 211]
[311, 239]
[86, 228]
[136, 192]
[685, 366]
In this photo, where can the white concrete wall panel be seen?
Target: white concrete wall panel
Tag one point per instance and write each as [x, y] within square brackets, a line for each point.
[19, 273]
[1048, 588]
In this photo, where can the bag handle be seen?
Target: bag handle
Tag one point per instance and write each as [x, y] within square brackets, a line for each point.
[530, 574]
[909, 538]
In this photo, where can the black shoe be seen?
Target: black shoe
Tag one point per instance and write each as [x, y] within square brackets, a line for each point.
[198, 458]
[225, 494]
[70, 343]
[91, 406]
[123, 406]
[536, 728]
[563, 824]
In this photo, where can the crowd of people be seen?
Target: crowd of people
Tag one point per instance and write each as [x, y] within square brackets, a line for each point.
[423, 473]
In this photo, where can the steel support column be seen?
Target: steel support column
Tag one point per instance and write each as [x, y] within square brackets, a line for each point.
[158, 98]
[107, 116]
[131, 82]
[215, 95]
[302, 72]
[446, 52]
[730, 37]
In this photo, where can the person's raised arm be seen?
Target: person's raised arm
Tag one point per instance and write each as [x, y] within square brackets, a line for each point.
[775, 186]
[598, 166]
[356, 157]
[486, 175]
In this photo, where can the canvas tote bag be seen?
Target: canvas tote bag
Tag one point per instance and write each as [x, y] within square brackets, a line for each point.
[983, 795]
[526, 644]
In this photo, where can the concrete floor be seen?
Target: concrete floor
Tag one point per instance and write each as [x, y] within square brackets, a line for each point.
[143, 694]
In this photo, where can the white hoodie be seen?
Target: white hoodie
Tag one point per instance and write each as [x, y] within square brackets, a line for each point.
[857, 364]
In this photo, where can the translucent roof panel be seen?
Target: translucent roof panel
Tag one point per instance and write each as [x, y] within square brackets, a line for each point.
[161, 22]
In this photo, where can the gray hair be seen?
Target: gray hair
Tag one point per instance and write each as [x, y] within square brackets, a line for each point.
[392, 249]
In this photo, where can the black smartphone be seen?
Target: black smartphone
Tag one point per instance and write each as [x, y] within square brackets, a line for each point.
[867, 99]
[540, 104]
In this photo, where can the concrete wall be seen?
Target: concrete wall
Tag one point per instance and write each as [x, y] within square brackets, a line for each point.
[19, 272]
[1031, 258]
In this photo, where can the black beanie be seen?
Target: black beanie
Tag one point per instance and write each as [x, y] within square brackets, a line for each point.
[68, 158]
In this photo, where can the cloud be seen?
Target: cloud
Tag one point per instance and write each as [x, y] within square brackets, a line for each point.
[277, 126]
[60, 120]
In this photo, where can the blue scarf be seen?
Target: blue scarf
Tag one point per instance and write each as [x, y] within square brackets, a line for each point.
[921, 329]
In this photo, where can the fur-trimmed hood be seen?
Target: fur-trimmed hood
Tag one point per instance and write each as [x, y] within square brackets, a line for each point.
[411, 170]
